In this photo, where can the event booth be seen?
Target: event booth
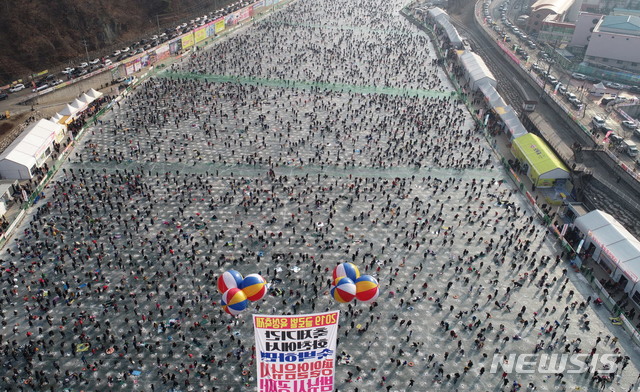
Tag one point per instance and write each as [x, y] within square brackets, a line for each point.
[30, 150]
[476, 71]
[544, 168]
[613, 247]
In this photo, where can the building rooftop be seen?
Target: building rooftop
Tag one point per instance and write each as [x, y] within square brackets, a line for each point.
[624, 24]
[556, 6]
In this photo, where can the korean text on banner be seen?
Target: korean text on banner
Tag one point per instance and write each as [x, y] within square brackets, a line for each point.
[243, 14]
[296, 353]
[162, 52]
[200, 34]
[220, 25]
[187, 41]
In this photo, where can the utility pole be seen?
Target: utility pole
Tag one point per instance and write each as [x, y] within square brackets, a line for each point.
[551, 59]
[158, 23]
[86, 50]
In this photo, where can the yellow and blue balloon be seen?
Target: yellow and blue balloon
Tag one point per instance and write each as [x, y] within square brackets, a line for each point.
[343, 289]
[229, 280]
[367, 289]
[234, 301]
[254, 287]
[346, 269]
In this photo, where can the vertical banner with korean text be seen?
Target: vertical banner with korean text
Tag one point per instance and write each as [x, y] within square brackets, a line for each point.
[296, 353]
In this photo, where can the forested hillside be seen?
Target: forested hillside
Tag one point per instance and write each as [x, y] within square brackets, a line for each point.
[39, 34]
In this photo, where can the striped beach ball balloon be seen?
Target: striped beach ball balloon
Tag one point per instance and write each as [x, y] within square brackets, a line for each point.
[234, 301]
[343, 289]
[229, 280]
[254, 287]
[346, 269]
[367, 289]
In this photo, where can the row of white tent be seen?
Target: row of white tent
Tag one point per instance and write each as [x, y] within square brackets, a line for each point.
[477, 74]
[30, 150]
[614, 247]
[78, 105]
[441, 18]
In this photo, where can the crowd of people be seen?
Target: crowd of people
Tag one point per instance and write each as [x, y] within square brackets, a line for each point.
[110, 283]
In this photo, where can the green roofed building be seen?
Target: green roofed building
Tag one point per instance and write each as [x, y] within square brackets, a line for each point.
[543, 166]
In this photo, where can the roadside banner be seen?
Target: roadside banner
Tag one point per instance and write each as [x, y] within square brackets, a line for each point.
[243, 14]
[200, 34]
[220, 25]
[162, 52]
[175, 47]
[187, 41]
[296, 353]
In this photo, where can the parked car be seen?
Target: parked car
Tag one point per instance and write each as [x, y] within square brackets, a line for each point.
[94, 61]
[83, 65]
[613, 85]
[629, 124]
[597, 121]
[615, 139]
[3, 95]
[16, 88]
[125, 50]
[107, 62]
[116, 53]
[40, 88]
[578, 76]
[68, 70]
[577, 104]
[56, 82]
[634, 89]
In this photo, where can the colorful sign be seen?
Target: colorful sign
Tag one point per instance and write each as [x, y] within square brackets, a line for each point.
[162, 52]
[243, 14]
[175, 47]
[200, 34]
[187, 41]
[296, 353]
[133, 66]
[220, 25]
[230, 20]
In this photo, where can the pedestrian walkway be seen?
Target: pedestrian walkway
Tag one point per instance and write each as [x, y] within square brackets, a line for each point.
[307, 85]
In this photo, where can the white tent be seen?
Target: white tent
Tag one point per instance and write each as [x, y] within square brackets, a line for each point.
[86, 99]
[440, 18]
[79, 105]
[29, 150]
[476, 70]
[597, 89]
[438, 14]
[56, 117]
[94, 94]
[511, 121]
[68, 110]
[613, 247]
[452, 33]
[491, 96]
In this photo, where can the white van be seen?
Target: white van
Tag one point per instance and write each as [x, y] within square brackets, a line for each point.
[597, 121]
[630, 148]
